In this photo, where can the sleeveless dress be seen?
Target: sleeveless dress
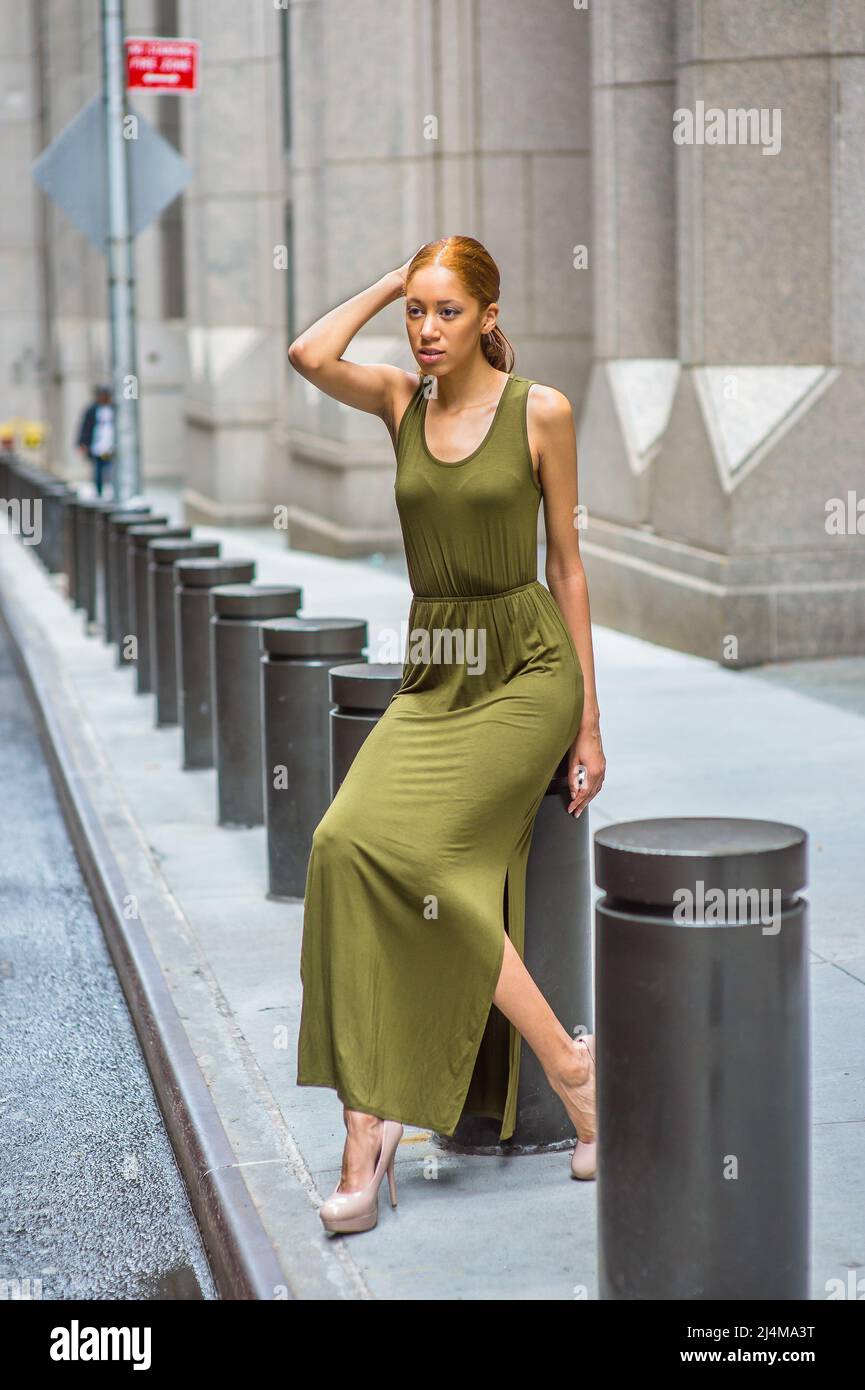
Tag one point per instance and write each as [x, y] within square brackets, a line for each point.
[418, 867]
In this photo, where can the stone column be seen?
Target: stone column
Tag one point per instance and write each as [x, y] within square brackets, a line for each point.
[747, 550]
[634, 249]
[233, 227]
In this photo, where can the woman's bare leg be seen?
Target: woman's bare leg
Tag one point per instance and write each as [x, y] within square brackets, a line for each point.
[565, 1062]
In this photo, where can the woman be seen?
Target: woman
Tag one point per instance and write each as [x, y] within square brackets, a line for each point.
[415, 893]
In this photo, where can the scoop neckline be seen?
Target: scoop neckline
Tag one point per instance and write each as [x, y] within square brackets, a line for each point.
[458, 463]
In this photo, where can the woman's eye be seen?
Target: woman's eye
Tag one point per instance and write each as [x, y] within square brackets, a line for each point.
[448, 311]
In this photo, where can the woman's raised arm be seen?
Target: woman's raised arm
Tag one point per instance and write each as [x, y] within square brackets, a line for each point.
[317, 354]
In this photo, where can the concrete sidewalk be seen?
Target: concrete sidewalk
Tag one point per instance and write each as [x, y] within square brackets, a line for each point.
[682, 736]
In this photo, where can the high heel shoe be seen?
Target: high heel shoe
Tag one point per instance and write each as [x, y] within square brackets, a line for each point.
[584, 1159]
[358, 1211]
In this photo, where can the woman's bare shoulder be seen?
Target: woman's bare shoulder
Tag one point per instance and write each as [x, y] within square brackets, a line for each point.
[547, 406]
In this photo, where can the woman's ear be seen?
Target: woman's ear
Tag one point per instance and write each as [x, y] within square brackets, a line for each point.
[488, 322]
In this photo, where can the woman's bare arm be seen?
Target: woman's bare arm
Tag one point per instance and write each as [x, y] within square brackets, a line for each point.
[551, 430]
[376, 387]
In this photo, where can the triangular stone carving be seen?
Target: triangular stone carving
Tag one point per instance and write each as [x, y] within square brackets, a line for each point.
[643, 389]
[748, 409]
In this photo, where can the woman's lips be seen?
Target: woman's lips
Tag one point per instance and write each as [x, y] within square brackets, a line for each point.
[430, 354]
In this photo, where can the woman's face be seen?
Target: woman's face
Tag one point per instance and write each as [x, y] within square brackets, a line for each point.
[443, 321]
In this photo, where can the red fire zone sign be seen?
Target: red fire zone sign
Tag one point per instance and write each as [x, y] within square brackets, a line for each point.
[162, 65]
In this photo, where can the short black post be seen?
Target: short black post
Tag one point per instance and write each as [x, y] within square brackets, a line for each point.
[135, 514]
[163, 555]
[85, 565]
[93, 554]
[70, 505]
[298, 655]
[28, 495]
[100, 572]
[237, 612]
[360, 692]
[119, 550]
[702, 1060]
[83, 570]
[54, 495]
[193, 581]
[136, 642]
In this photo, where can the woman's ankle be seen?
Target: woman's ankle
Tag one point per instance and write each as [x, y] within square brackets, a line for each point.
[573, 1065]
[360, 1124]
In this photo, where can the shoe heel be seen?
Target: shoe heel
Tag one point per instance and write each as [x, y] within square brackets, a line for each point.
[358, 1211]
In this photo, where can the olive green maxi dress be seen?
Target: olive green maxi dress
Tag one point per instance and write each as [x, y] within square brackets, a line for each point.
[418, 867]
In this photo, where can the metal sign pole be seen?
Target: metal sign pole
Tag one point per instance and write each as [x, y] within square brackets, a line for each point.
[119, 250]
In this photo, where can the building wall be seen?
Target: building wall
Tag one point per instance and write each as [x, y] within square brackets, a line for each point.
[712, 347]
[726, 400]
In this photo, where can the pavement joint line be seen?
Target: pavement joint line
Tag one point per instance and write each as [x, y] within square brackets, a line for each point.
[245, 1264]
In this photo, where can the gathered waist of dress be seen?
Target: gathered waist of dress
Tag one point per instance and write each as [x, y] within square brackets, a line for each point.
[470, 598]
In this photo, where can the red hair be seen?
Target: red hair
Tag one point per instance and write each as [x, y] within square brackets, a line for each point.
[474, 266]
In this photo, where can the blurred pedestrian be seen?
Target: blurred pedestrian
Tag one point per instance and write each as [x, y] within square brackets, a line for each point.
[96, 435]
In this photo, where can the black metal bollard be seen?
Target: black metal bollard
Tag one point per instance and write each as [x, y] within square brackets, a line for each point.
[84, 557]
[70, 504]
[58, 540]
[96, 589]
[237, 612]
[93, 608]
[122, 615]
[100, 556]
[135, 513]
[54, 494]
[359, 694]
[163, 640]
[27, 518]
[76, 570]
[298, 656]
[138, 538]
[194, 580]
[83, 571]
[702, 1060]
[27, 500]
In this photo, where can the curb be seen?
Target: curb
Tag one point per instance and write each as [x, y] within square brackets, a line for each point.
[238, 1249]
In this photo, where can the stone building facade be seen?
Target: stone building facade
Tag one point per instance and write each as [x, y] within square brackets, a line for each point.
[674, 192]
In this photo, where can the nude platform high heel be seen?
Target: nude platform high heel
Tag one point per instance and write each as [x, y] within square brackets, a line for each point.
[584, 1158]
[358, 1211]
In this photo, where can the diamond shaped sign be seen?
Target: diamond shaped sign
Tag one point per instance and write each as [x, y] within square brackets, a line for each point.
[72, 171]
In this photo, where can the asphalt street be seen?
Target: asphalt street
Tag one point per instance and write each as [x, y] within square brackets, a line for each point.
[92, 1204]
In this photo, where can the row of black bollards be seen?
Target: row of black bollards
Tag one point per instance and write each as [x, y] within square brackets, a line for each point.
[219, 653]
[700, 994]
